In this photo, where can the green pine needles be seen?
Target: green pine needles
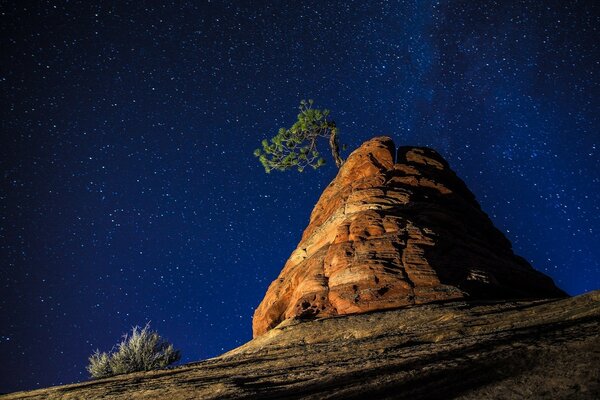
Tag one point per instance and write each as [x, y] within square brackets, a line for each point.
[142, 350]
[296, 147]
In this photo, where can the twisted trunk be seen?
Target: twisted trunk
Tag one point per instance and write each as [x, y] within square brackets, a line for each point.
[335, 147]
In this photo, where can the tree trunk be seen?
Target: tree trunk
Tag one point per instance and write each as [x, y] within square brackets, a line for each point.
[335, 147]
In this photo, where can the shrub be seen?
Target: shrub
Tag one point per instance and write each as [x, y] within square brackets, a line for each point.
[99, 365]
[142, 350]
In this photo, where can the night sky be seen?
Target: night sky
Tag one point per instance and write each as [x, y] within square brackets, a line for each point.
[129, 192]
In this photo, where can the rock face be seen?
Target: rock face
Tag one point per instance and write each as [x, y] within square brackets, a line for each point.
[542, 349]
[394, 229]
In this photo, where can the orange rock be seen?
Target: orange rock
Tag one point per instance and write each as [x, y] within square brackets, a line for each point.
[388, 234]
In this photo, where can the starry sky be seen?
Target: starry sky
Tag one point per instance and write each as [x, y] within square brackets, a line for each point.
[129, 192]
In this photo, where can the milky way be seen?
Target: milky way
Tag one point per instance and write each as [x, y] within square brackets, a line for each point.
[129, 191]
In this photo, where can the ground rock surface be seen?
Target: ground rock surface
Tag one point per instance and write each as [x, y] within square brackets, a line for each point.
[542, 349]
[393, 229]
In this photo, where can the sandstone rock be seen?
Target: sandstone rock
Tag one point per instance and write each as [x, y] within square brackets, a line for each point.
[396, 229]
[541, 349]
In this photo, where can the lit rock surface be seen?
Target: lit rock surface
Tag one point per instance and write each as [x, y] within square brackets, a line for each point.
[393, 231]
[543, 349]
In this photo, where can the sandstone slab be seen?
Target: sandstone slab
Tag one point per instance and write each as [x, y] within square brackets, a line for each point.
[540, 349]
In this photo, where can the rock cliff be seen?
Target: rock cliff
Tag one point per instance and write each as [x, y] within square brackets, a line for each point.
[394, 229]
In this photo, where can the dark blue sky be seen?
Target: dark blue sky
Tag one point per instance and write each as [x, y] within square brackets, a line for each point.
[129, 192]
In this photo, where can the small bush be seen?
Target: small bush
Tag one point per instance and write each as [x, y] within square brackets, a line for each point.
[143, 350]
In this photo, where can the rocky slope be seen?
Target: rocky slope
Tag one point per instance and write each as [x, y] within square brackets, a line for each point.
[544, 349]
[396, 229]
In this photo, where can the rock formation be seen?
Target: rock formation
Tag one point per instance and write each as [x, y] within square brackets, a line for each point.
[396, 229]
[392, 231]
[542, 349]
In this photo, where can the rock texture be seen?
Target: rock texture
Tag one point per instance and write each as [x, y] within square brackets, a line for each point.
[543, 349]
[396, 229]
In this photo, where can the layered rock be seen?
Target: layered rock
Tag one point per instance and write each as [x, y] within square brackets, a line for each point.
[394, 229]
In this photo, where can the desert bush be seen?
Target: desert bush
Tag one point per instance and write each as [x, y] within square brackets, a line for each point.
[99, 365]
[142, 350]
